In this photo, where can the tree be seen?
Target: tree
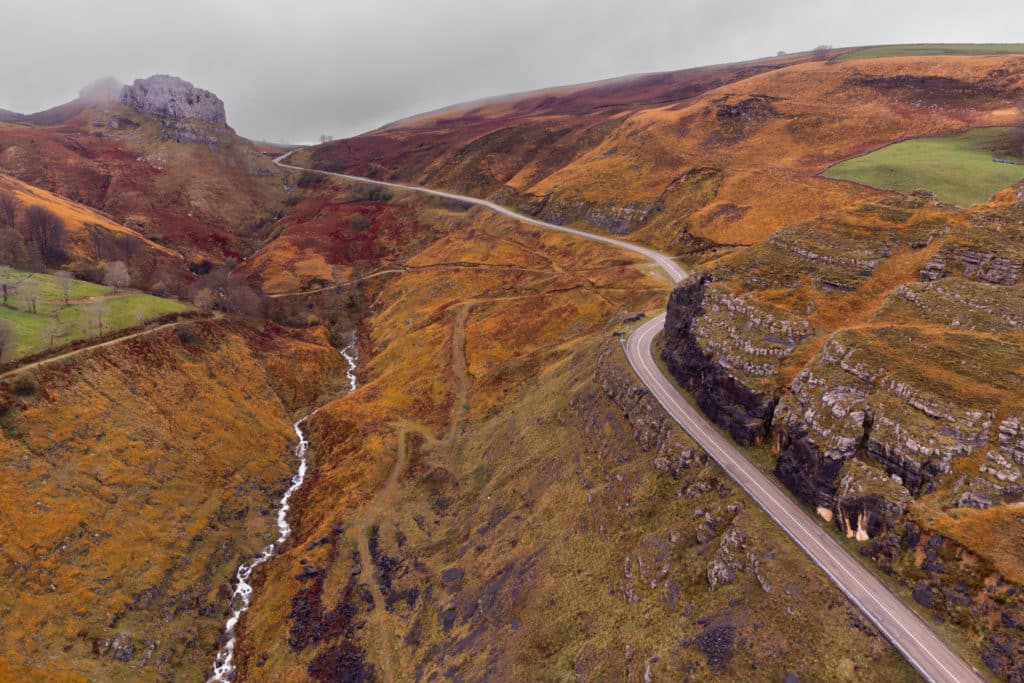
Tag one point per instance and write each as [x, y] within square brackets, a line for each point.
[8, 209]
[326, 138]
[95, 313]
[64, 284]
[54, 330]
[8, 283]
[47, 233]
[205, 300]
[821, 52]
[29, 291]
[12, 248]
[117, 275]
[243, 300]
[8, 339]
[1019, 132]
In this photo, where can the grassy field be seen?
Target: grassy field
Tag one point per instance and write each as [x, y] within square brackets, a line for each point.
[78, 320]
[936, 50]
[957, 168]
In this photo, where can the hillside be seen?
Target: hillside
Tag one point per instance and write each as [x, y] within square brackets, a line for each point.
[91, 237]
[134, 482]
[690, 160]
[191, 185]
[499, 501]
[867, 339]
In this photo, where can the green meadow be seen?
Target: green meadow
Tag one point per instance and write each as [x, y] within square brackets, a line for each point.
[88, 304]
[958, 168]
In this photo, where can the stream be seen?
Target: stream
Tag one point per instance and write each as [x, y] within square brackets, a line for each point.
[223, 664]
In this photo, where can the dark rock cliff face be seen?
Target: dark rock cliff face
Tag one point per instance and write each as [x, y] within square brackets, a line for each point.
[803, 470]
[744, 412]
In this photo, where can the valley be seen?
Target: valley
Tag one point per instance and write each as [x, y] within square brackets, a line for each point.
[523, 484]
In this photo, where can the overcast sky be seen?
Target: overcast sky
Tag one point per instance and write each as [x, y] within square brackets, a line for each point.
[292, 70]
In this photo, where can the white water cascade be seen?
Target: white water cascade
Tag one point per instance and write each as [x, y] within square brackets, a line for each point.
[223, 664]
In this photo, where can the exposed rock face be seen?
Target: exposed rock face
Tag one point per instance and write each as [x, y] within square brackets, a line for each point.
[652, 429]
[974, 265]
[842, 405]
[867, 503]
[173, 98]
[614, 218]
[720, 348]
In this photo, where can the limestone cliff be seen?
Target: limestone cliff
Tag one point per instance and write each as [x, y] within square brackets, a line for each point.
[173, 98]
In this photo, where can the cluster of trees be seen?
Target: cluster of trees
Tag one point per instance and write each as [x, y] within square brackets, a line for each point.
[32, 238]
[220, 289]
[340, 308]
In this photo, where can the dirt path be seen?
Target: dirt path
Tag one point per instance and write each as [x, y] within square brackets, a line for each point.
[93, 347]
[460, 405]
[380, 616]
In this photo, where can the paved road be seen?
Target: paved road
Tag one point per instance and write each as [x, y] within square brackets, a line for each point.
[904, 629]
[671, 268]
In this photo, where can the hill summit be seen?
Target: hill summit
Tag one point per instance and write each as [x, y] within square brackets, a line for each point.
[171, 97]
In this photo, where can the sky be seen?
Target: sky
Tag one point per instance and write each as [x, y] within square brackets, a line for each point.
[292, 71]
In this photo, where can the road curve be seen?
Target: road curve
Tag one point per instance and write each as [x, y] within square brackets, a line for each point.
[671, 268]
[915, 640]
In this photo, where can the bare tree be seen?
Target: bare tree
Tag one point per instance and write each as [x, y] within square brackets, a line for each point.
[47, 232]
[8, 284]
[29, 292]
[117, 275]
[8, 209]
[12, 248]
[8, 339]
[54, 330]
[95, 314]
[64, 283]
[243, 300]
[1019, 131]
[205, 300]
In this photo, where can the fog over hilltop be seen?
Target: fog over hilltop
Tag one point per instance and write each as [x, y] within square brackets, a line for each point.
[294, 71]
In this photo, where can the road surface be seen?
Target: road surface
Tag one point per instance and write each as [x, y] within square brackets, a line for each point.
[905, 630]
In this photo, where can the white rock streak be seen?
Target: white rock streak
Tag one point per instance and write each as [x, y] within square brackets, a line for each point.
[223, 665]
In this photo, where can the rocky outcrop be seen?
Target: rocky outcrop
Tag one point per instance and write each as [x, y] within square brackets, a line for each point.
[723, 349]
[653, 430]
[867, 503]
[842, 405]
[986, 266]
[169, 97]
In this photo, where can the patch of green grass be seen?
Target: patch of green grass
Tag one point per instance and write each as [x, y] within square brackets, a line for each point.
[934, 50]
[956, 168]
[120, 309]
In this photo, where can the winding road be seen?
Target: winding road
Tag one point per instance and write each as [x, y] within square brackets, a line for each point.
[918, 643]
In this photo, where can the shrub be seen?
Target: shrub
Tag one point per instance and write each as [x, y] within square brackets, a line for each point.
[309, 179]
[359, 221]
[25, 385]
[187, 334]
